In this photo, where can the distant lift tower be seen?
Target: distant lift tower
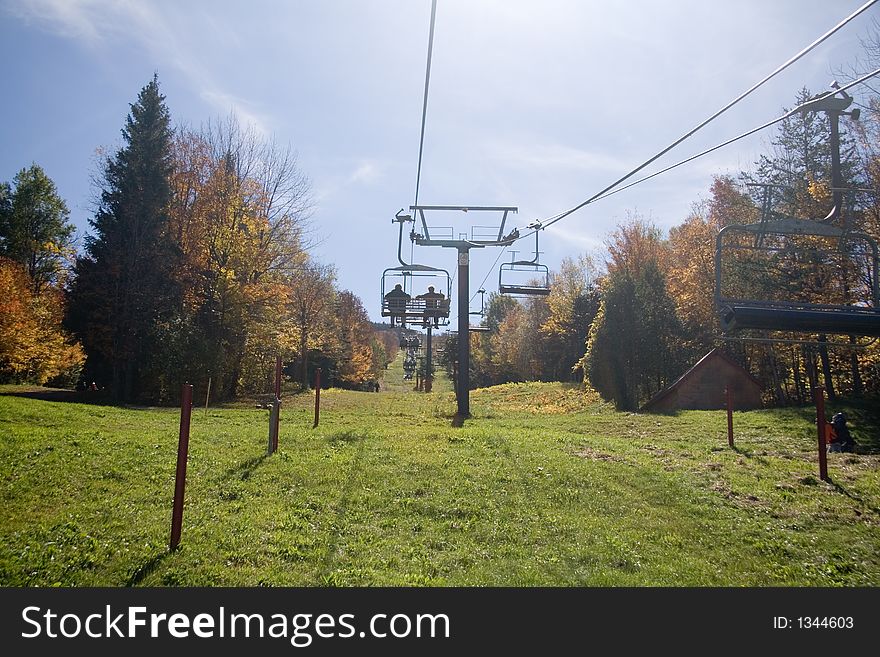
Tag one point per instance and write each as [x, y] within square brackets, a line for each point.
[477, 237]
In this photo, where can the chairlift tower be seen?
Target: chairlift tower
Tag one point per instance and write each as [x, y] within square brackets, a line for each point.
[477, 237]
[845, 317]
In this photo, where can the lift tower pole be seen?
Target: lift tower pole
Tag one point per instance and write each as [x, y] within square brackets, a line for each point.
[835, 107]
[429, 377]
[462, 392]
[478, 237]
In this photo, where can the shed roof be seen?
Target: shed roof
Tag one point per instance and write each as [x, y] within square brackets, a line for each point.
[703, 362]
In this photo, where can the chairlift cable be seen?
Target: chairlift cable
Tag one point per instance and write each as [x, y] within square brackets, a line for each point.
[797, 109]
[489, 273]
[791, 60]
[425, 100]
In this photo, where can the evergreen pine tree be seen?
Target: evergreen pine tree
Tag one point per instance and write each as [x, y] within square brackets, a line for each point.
[125, 297]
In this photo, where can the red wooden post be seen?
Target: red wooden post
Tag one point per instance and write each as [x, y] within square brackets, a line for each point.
[820, 426]
[317, 396]
[182, 453]
[277, 403]
[729, 416]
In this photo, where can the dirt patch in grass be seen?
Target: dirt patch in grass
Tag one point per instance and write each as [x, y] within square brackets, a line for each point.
[595, 455]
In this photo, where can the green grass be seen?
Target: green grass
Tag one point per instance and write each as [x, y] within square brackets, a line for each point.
[544, 486]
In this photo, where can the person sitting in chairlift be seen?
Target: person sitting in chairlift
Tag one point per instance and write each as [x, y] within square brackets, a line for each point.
[397, 299]
[432, 305]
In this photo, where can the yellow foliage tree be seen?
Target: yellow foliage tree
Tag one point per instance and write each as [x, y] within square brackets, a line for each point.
[33, 347]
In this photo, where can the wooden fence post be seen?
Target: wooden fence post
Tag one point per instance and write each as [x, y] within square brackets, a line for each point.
[182, 453]
[729, 416]
[819, 396]
[317, 397]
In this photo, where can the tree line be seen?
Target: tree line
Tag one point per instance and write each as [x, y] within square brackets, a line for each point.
[197, 266]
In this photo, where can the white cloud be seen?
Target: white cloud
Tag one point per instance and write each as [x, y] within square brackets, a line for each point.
[563, 238]
[97, 23]
[367, 172]
[88, 21]
[246, 113]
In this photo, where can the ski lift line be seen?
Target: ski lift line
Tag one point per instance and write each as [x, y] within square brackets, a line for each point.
[425, 101]
[797, 109]
[791, 60]
[489, 273]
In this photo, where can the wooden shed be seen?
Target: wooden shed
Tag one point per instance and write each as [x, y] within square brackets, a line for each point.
[702, 387]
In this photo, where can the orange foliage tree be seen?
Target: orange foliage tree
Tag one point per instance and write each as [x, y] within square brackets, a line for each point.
[33, 347]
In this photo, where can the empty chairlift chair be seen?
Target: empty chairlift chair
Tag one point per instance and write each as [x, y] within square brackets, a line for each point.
[524, 278]
[769, 277]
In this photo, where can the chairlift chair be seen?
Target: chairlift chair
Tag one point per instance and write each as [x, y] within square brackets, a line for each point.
[788, 247]
[408, 307]
[525, 278]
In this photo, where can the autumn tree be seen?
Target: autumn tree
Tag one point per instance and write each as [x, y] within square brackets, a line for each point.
[33, 346]
[865, 364]
[611, 362]
[691, 263]
[799, 168]
[497, 309]
[509, 361]
[310, 295]
[354, 335]
[239, 214]
[572, 306]
[390, 343]
[633, 346]
[35, 245]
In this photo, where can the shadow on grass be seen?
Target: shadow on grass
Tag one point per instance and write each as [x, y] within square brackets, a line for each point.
[840, 488]
[324, 575]
[672, 412]
[91, 397]
[96, 397]
[866, 425]
[245, 469]
[349, 436]
[863, 419]
[146, 568]
[750, 455]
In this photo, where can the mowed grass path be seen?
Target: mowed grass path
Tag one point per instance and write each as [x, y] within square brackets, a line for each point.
[544, 486]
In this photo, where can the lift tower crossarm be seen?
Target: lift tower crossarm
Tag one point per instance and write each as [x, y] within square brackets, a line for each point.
[501, 240]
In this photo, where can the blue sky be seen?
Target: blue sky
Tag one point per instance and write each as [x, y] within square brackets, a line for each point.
[534, 104]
